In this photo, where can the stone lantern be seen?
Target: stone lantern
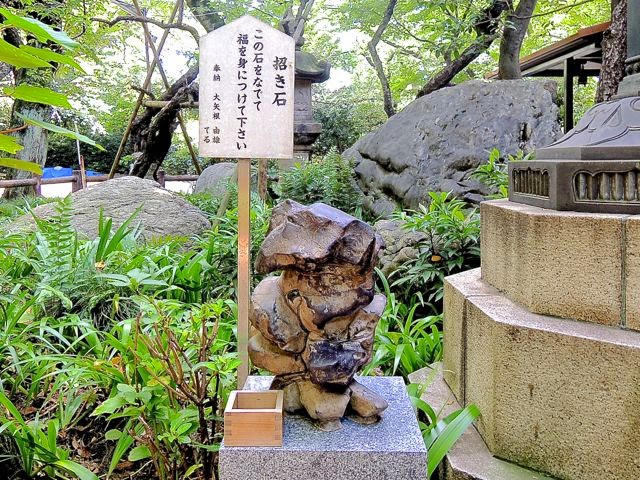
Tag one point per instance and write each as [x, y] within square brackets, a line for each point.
[309, 70]
[596, 166]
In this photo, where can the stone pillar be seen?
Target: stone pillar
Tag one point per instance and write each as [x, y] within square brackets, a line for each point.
[309, 70]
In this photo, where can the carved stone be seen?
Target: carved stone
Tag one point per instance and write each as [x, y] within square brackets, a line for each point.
[317, 319]
[595, 167]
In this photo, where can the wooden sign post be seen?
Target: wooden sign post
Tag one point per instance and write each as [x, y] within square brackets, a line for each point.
[246, 111]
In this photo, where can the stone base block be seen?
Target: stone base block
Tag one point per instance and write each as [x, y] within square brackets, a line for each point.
[469, 458]
[392, 449]
[564, 264]
[556, 395]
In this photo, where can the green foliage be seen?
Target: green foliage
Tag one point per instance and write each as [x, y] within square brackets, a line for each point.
[63, 131]
[452, 245]
[185, 368]
[138, 339]
[403, 343]
[440, 434]
[9, 209]
[30, 57]
[36, 442]
[62, 150]
[346, 115]
[328, 180]
[494, 174]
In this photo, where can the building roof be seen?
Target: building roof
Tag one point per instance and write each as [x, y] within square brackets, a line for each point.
[585, 47]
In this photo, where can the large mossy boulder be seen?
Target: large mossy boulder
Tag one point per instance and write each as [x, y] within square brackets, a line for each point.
[216, 178]
[162, 213]
[437, 141]
[402, 244]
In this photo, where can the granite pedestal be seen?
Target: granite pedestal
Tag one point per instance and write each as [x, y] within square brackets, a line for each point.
[545, 340]
[392, 449]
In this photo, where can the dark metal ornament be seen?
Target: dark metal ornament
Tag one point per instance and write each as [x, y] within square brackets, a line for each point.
[596, 166]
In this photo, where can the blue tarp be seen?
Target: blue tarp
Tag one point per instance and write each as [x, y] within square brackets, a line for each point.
[57, 172]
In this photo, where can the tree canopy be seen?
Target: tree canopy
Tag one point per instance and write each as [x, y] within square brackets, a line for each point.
[384, 53]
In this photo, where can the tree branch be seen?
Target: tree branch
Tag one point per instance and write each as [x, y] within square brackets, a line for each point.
[556, 10]
[487, 31]
[139, 19]
[402, 49]
[209, 19]
[389, 106]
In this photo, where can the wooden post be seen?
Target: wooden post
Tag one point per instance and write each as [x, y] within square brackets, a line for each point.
[568, 93]
[37, 187]
[263, 178]
[161, 178]
[244, 266]
[77, 181]
[240, 122]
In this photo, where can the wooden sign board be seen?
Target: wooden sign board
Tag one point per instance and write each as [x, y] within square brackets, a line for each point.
[246, 91]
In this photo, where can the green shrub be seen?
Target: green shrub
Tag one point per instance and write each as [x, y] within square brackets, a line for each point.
[404, 343]
[439, 434]
[10, 209]
[110, 326]
[328, 180]
[452, 245]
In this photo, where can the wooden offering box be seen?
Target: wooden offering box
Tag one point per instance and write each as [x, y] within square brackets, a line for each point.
[253, 419]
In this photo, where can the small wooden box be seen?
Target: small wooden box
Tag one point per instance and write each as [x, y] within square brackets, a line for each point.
[253, 419]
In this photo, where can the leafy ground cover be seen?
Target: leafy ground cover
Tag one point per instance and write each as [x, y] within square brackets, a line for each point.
[117, 356]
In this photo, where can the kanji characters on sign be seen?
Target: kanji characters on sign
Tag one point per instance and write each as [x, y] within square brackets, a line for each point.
[246, 91]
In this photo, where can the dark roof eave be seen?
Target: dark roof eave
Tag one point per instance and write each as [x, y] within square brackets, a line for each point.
[579, 40]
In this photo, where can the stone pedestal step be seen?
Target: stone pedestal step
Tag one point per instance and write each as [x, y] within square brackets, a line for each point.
[556, 395]
[392, 449]
[469, 458]
[582, 266]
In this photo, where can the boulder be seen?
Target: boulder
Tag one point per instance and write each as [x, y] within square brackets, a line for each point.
[216, 178]
[162, 213]
[438, 140]
[402, 245]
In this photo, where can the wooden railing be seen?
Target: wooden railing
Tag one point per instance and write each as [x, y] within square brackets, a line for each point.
[76, 181]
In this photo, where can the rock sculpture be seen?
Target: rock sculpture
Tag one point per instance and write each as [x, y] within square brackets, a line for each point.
[315, 321]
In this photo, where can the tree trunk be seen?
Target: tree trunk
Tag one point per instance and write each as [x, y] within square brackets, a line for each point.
[614, 54]
[152, 131]
[35, 140]
[487, 31]
[376, 63]
[512, 38]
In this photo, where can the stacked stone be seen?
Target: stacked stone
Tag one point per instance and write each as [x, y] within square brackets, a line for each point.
[315, 322]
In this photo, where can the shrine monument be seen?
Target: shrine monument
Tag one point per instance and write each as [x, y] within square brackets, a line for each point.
[545, 337]
[312, 325]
